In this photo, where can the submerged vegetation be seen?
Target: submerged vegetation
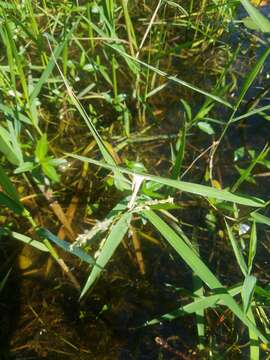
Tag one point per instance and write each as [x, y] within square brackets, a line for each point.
[143, 124]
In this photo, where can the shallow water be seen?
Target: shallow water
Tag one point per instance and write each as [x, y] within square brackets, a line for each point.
[42, 315]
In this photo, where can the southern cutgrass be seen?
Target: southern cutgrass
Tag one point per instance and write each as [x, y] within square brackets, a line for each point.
[144, 71]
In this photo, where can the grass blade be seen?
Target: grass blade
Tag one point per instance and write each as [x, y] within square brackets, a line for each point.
[252, 75]
[252, 246]
[192, 188]
[116, 235]
[248, 171]
[259, 19]
[180, 154]
[237, 252]
[102, 146]
[254, 340]
[199, 267]
[247, 291]
[49, 68]
[29, 241]
[7, 149]
[7, 186]
[198, 305]
[172, 78]
[261, 219]
[74, 250]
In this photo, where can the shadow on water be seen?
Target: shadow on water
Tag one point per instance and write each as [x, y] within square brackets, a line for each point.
[10, 300]
[107, 325]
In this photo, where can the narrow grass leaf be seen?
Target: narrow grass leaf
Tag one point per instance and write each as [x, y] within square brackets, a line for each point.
[41, 148]
[198, 291]
[49, 68]
[237, 252]
[252, 75]
[247, 291]
[102, 147]
[251, 113]
[252, 246]
[6, 147]
[205, 127]
[10, 43]
[116, 44]
[8, 202]
[199, 267]
[114, 238]
[7, 186]
[200, 304]
[172, 78]
[197, 189]
[74, 250]
[29, 241]
[259, 19]
[14, 114]
[253, 339]
[180, 154]
[247, 173]
[259, 218]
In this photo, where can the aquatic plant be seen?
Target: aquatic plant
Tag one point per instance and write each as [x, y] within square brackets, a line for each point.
[94, 62]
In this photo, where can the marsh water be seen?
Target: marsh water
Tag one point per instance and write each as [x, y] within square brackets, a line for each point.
[41, 315]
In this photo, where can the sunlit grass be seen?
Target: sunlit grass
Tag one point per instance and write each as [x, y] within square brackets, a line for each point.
[104, 67]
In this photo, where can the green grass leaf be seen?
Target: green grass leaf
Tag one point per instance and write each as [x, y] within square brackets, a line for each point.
[253, 339]
[29, 241]
[172, 78]
[206, 127]
[41, 148]
[114, 238]
[7, 186]
[50, 66]
[180, 154]
[237, 252]
[248, 290]
[259, 19]
[259, 218]
[198, 305]
[252, 246]
[6, 147]
[197, 189]
[247, 172]
[49, 170]
[66, 246]
[13, 205]
[252, 75]
[199, 267]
